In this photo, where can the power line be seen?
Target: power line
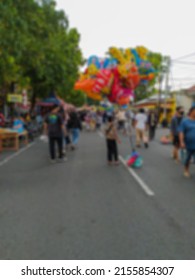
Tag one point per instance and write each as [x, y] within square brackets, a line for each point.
[183, 67]
[184, 62]
[183, 83]
[185, 56]
[184, 78]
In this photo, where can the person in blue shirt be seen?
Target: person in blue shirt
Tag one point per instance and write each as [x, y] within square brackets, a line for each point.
[187, 138]
[18, 125]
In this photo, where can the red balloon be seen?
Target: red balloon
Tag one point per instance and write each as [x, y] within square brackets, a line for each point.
[134, 69]
[133, 80]
[123, 100]
[116, 87]
[102, 80]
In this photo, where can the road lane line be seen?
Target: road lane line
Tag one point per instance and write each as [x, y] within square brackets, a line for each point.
[101, 134]
[7, 159]
[142, 184]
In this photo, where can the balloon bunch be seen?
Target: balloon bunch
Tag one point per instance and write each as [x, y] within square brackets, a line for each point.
[134, 160]
[116, 76]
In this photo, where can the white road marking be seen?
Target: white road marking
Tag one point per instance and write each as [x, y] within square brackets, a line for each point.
[7, 159]
[101, 134]
[142, 184]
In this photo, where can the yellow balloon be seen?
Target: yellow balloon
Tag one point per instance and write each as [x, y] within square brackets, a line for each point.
[142, 52]
[83, 77]
[117, 54]
[94, 96]
[124, 69]
[92, 70]
[128, 55]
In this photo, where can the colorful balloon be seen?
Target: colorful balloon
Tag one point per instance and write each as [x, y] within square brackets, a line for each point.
[102, 81]
[94, 96]
[116, 76]
[85, 85]
[123, 100]
[94, 60]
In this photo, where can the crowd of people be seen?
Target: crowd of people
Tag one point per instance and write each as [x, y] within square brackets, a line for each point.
[63, 128]
[22, 122]
[182, 130]
[143, 123]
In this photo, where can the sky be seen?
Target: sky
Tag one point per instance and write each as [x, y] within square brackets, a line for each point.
[165, 26]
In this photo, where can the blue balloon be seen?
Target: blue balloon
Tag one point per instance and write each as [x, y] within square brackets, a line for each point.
[106, 63]
[109, 63]
[94, 60]
[134, 154]
[144, 82]
[136, 57]
[124, 106]
[113, 62]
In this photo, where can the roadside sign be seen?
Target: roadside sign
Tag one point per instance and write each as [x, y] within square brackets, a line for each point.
[14, 98]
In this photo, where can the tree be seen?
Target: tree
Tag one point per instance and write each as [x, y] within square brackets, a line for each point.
[78, 98]
[40, 50]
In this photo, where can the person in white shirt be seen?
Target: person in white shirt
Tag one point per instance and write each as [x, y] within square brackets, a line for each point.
[141, 128]
[121, 119]
[130, 117]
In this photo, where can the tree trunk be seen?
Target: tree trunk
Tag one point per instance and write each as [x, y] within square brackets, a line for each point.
[33, 101]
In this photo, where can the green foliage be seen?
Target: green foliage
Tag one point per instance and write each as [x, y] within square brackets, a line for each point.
[156, 60]
[37, 48]
[159, 63]
[77, 98]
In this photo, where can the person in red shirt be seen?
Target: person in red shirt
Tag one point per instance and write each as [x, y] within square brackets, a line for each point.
[2, 120]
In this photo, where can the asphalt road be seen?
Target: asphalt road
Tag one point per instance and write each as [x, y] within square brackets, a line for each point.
[84, 209]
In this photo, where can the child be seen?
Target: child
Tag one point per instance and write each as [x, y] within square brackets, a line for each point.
[111, 140]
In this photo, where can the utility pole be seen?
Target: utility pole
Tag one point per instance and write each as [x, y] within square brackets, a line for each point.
[167, 88]
[160, 80]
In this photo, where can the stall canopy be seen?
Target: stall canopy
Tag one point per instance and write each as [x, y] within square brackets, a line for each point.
[54, 100]
[49, 101]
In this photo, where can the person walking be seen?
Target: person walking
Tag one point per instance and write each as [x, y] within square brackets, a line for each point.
[67, 139]
[105, 117]
[120, 116]
[74, 126]
[152, 124]
[187, 139]
[129, 123]
[141, 128]
[99, 120]
[54, 128]
[111, 141]
[175, 125]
